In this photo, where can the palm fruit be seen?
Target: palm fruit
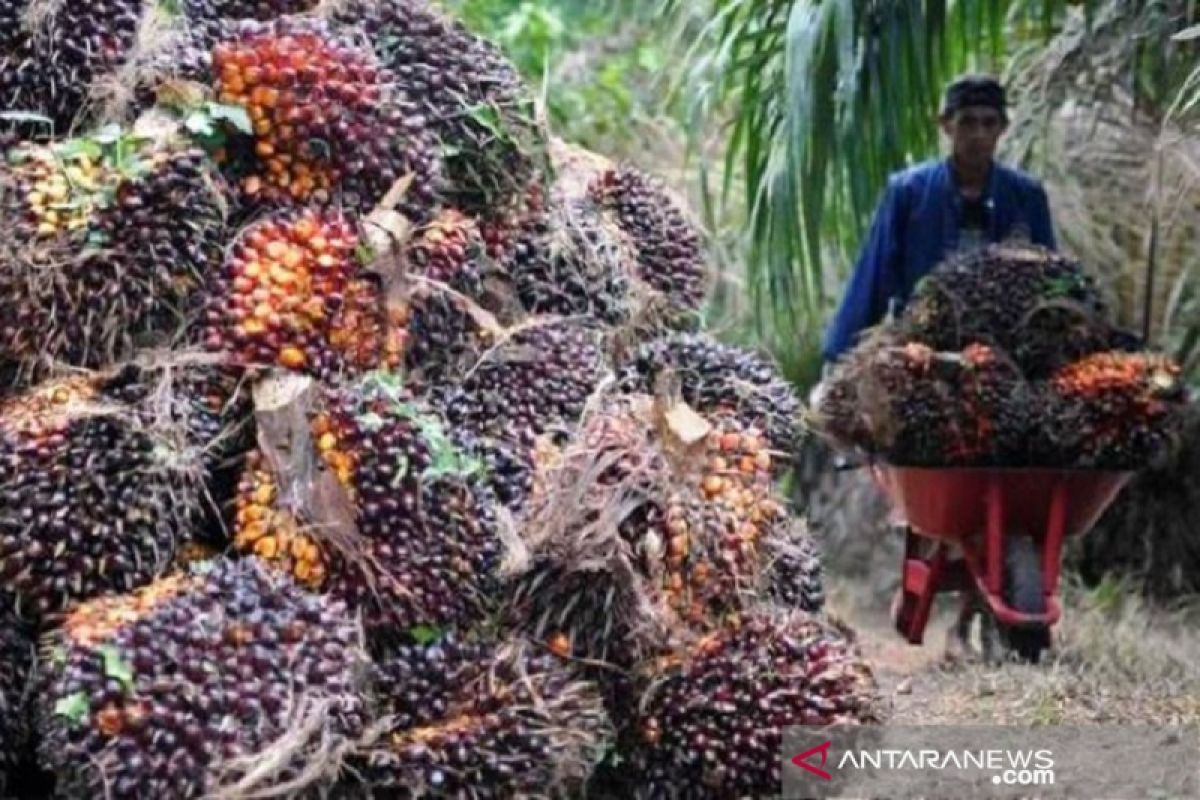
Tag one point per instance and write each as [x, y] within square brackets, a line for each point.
[293, 293]
[572, 260]
[535, 381]
[201, 10]
[1113, 410]
[99, 494]
[100, 259]
[446, 312]
[328, 123]
[227, 678]
[713, 376]
[711, 723]
[670, 253]
[476, 103]
[482, 722]
[426, 549]
[57, 55]
[794, 576]
[16, 660]
[1035, 304]
[918, 407]
[1160, 506]
[635, 538]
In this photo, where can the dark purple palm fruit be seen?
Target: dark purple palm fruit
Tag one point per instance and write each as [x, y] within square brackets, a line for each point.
[226, 678]
[710, 719]
[489, 721]
[670, 252]
[16, 660]
[713, 376]
[102, 494]
[475, 101]
[102, 262]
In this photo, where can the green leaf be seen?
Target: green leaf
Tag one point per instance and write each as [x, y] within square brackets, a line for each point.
[364, 253]
[234, 115]
[77, 148]
[1187, 34]
[424, 634]
[74, 707]
[116, 668]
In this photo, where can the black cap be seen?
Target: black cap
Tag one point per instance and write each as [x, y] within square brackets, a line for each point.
[975, 90]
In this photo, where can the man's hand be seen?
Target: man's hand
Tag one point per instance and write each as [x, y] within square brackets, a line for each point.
[817, 393]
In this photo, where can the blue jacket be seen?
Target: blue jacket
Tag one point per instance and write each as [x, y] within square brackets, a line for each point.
[916, 227]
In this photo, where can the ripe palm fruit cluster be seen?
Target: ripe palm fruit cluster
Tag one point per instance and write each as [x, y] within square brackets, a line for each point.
[100, 260]
[919, 407]
[57, 56]
[670, 253]
[293, 293]
[483, 720]
[426, 546]
[16, 659]
[570, 259]
[1114, 410]
[245, 9]
[535, 381]
[100, 495]
[473, 99]
[636, 539]
[711, 722]
[1038, 306]
[191, 684]
[327, 122]
[713, 376]
[446, 312]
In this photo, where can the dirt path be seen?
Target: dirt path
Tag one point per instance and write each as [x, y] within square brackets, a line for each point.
[1110, 663]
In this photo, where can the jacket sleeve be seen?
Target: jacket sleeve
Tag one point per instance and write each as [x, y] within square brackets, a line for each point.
[874, 279]
[1042, 228]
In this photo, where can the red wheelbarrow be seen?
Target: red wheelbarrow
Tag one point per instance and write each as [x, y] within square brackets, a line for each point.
[996, 535]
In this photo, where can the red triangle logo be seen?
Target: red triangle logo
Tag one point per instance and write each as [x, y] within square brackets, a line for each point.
[802, 760]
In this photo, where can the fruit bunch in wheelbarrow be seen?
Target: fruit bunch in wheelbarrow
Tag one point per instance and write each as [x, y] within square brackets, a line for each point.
[357, 438]
[1005, 356]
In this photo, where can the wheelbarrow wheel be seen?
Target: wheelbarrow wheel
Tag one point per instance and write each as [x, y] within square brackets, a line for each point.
[1023, 591]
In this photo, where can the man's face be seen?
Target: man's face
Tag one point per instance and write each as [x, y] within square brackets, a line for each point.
[974, 132]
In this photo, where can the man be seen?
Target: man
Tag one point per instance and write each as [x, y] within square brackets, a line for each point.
[943, 206]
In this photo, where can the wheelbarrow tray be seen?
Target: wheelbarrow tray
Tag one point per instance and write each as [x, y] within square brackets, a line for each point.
[974, 509]
[952, 502]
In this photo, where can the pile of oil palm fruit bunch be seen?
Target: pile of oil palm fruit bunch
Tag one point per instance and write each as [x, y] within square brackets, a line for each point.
[1005, 356]
[359, 438]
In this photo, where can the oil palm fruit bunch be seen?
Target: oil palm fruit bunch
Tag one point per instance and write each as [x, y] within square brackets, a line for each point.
[328, 124]
[794, 575]
[446, 312]
[294, 293]
[1114, 410]
[473, 99]
[263, 10]
[1161, 503]
[916, 406]
[584, 592]
[711, 722]
[224, 678]
[16, 660]
[100, 260]
[425, 549]
[571, 259]
[98, 494]
[534, 381]
[670, 253]
[713, 376]
[478, 721]
[1037, 305]
[56, 56]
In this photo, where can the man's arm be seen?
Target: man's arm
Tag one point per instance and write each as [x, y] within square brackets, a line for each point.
[874, 278]
[1042, 228]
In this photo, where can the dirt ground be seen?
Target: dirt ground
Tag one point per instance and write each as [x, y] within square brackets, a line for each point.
[1113, 660]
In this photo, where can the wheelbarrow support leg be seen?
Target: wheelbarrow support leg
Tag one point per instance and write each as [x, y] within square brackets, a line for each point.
[920, 580]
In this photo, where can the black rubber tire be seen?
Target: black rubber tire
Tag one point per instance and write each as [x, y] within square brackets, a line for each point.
[1023, 591]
